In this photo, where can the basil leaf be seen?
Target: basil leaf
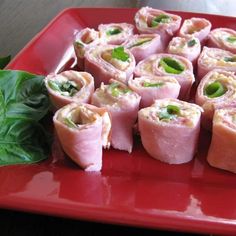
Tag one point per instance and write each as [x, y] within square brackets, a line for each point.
[4, 61]
[160, 19]
[215, 89]
[139, 43]
[191, 43]
[231, 39]
[120, 54]
[113, 31]
[147, 84]
[23, 104]
[171, 66]
[168, 113]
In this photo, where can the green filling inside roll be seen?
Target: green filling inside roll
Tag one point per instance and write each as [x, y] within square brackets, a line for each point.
[148, 85]
[120, 54]
[169, 112]
[113, 31]
[191, 43]
[171, 66]
[231, 39]
[116, 89]
[69, 123]
[140, 42]
[160, 19]
[215, 89]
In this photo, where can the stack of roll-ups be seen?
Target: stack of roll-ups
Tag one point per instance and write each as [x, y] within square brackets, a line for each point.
[141, 76]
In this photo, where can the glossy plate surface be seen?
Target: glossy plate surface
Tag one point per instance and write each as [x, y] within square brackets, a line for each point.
[131, 189]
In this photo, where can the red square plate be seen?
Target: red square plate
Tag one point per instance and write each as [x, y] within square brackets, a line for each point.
[132, 189]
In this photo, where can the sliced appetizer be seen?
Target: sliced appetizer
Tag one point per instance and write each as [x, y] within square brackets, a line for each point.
[197, 27]
[216, 90]
[223, 38]
[123, 105]
[108, 61]
[83, 130]
[144, 45]
[115, 33]
[188, 47]
[169, 65]
[222, 152]
[84, 40]
[151, 88]
[69, 86]
[215, 58]
[154, 21]
[169, 130]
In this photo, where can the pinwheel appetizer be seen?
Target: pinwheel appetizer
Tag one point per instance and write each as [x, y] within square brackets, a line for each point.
[154, 21]
[216, 90]
[188, 47]
[223, 38]
[115, 33]
[83, 130]
[197, 27]
[84, 40]
[169, 130]
[107, 61]
[69, 86]
[144, 45]
[215, 58]
[169, 65]
[123, 105]
[222, 152]
[151, 88]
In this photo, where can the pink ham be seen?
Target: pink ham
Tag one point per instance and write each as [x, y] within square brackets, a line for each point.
[84, 40]
[101, 64]
[188, 47]
[154, 21]
[197, 27]
[170, 138]
[215, 58]
[115, 33]
[123, 105]
[152, 66]
[73, 86]
[222, 152]
[151, 88]
[223, 38]
[83, 130]
[144, 45]
[210, 102]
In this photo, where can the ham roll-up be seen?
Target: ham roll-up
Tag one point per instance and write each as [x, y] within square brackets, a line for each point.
[151, 88]
[223, 38]
[188, 47]
[108, 61]
[222, 152]
[83, 130]
[115, 33]
[215, 58]
[153, 21]
[144, 45]
[69, 86]
[84, 40]
[123, 105]
[169, 65]
[216, 90]
[169, 130]
[197, 27]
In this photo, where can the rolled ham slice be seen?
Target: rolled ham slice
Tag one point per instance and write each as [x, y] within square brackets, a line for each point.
[216, 90]
[144, 45]
[151, 88]
[223, 38]
[153, 21]
[169, 65]
[123, 105]
[215, 58]
[115, 33]
[197, 27]
[69, 86]
[108, 61]
[84, 40]
[83, 130]
[222, 152]
[169, 130]
[188, 47]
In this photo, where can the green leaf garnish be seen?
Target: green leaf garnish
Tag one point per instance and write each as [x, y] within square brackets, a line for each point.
[160, 19]
[113, 31]
[117, 90]
[170, 112]
[171, 66]
[215, 89]
[191, 43]
[69, 123]
[231, 39]
[4, 61]
[140, 42]
[120, 54]
[62, 87]
[230, 59]
[147, 84]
